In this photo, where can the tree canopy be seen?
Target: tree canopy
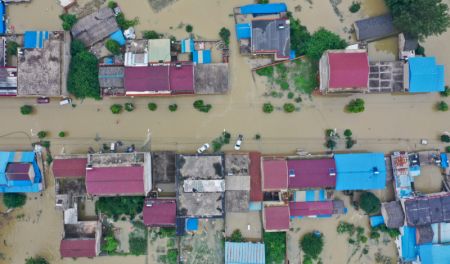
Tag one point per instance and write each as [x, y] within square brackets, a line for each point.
[68, 21]
[14, 200]
[312, 244]
[82, 81]
[370, 203]
[224, 34]
[321, 41]
[275, 244]
[115, 206]
[420, 18]
[113, 47]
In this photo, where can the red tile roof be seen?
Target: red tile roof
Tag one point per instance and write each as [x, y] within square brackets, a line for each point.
[182, 79]
[256, 194]
[276, 218]
[146, 79]
[69, 167]
[161, 212]
[312, 173]
[310, 208]
[275, 175]
[348, 69]
[76, 248]
[115, 181]
[18, 171]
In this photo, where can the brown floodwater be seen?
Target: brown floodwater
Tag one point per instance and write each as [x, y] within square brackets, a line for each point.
[389, 122]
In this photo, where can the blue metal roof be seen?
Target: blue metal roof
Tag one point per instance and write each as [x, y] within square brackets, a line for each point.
[2, 22]
[202, 56]
[118, 37]
[244, 253]
[19, 185]
[360, 171]
[187, 45]
[35, 39]
[434, 253]
[243, 30]
[408, 239]
[376, 220]
[425, 75]
[263, 9]
[444, 160]
[191, 224]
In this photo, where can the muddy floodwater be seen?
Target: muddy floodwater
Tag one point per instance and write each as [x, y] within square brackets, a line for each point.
[389, 122]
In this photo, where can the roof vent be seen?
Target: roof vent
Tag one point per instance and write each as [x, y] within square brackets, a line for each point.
[291, 173]
[332, 172]
[375, 171]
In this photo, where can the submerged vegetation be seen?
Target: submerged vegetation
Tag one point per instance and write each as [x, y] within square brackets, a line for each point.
[116, 206]
[275, 244]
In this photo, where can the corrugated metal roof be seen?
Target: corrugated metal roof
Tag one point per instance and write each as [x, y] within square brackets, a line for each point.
[255, 177]
[276, 218]
[408, 244]
[360, 171]
[425, 75]
[310, 208]
[160, 212]
[434, 254]
[243, 30]
[244, 253]
[158, 50]
[69, 167]
[115, 181]
[348, 69]
[263, 9]
[312, 173]
[275, 174]
[75, 248]
[20, 184]
[374, 28]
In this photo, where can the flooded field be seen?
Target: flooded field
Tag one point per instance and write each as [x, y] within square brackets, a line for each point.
[389, 122]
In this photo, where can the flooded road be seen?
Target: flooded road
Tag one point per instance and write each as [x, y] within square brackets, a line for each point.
[389, 122]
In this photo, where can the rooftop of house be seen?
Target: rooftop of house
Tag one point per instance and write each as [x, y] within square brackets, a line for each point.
[276, 218]
[360, 171]
[111, 76]
[386, 77]
[69, 166]
[211, 78]
[78, 248]
[237, 201]
[434, 253]
[159, 50]
[393, 214]
[204, 167]
[255, 177]
[425, 75]
[426, 210]
[311, 173]
[39, 69]
[8, 81]
[310, 208]
[374, 28]
[95, 27]
[271, 36]
[244, 253]
[263, 9]
[275, 174]
[160, 212]
[348, 69]
[163, 167]
[237, 164]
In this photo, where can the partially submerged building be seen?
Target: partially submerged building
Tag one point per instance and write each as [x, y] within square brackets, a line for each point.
[375, 28]
[119, 174]
[21, 172]
[274, 174]
[424, 75]
[81, 239]
[111, 80]
[426, 210]
[393, 214]
[276, 218]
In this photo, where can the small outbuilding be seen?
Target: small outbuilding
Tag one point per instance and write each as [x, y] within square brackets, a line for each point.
[160, 212]
[244, 253]
[276, 218]
[425, 75]
[375, 28]
[393, 214]
[275, 174]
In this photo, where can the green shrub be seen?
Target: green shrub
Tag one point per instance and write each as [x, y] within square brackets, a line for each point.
[68, 21]
[112, 4]
[152, 106]
[356, 106]
[392, 232]
[307, 260]
[116, 206]
[330, 144]
[312, 245]
[236, 236]
[42, 134]
[374, 235]
[36, 260]
[173, 107]
[172, 256]
[110, 244]
[224, 34]
[349, 143]
[420, 50]
[167, 232]
[446, 91]
[300, 36]
[138, 245]
[76, 46]
[82, 80]
[447, 149]
[45, 144]
[263, 1]
[189, 28]
[113, 47]
[275, 245]
[151, 34]
[289, 108]
[370, 203]
[445, 138]
[201, 106]
[116, 108]
[267, 108]
[26, 109]
[11, 47]
[442, 106]
[290, 95]
[345, 227]
[355, 7]
[348, 133]
[62, 134]
[14, 200]
[257, 137]
[266, 71]
[284, 86]
[124, 23]
[321, 41]
[129, 107]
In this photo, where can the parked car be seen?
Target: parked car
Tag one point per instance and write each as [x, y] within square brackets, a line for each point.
[238, 144]
[65, 101]
[203, 148]
[43, 100]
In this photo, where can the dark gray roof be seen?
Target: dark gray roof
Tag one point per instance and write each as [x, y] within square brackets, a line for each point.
[271, 36]
[95, 27]
[374, 28]
[425, 234]
[411, 43]
[393, 214]
[111, 76]
[427, 210]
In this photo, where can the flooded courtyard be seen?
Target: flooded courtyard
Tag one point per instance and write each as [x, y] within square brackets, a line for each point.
[389, 122]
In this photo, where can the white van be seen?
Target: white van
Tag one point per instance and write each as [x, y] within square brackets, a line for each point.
[65, 101]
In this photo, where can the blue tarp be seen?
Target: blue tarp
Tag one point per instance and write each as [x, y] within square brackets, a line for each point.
[19, 185]
[292, 55]
[187, 45]
[35, 39]
[243, 31]
[192, 224]
[434, 254]
[408, 239]
[118, 36]
[255, 206]
[244, 253]
[444, 160]
[2, 23]
[376, 220]
[360, 171]
[425, 75]
[263, 9]
[202, 56]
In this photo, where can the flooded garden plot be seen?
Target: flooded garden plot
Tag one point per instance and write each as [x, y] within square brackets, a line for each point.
[162, 245]
[206, 245]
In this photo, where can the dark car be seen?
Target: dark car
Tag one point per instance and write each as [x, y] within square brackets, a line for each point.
[43, 100]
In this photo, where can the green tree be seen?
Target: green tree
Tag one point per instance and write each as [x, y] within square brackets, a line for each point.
[445, 138]
[289, 107]
[129, 107]
[356, 106]
[420, 18]
[330, 144]
[225, 34]
[14, 200]
[112, 4]
[348, 133]
[11, 47]
[116, 108]
[124, 23]
[442, 106]
[263, 1]
[172, 256]
[26, 109]
[370, 203]
[236, 236]
[42, 134]
[113, 47]
[82, 81]
[266, 71]
[446, 91]
[76, 46]
[62, 134]
[110, 244]
[447, 149]
[189, 28]
[321, 41]
[151, 34]
[420, 50]
[116, 206]
[138, 245]
[312, 244]
[68, 21]
[152, 106]
[267, 108]
[300, 36]
[275, 245]
[36, 260]
[354, 7]
[173, 107]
